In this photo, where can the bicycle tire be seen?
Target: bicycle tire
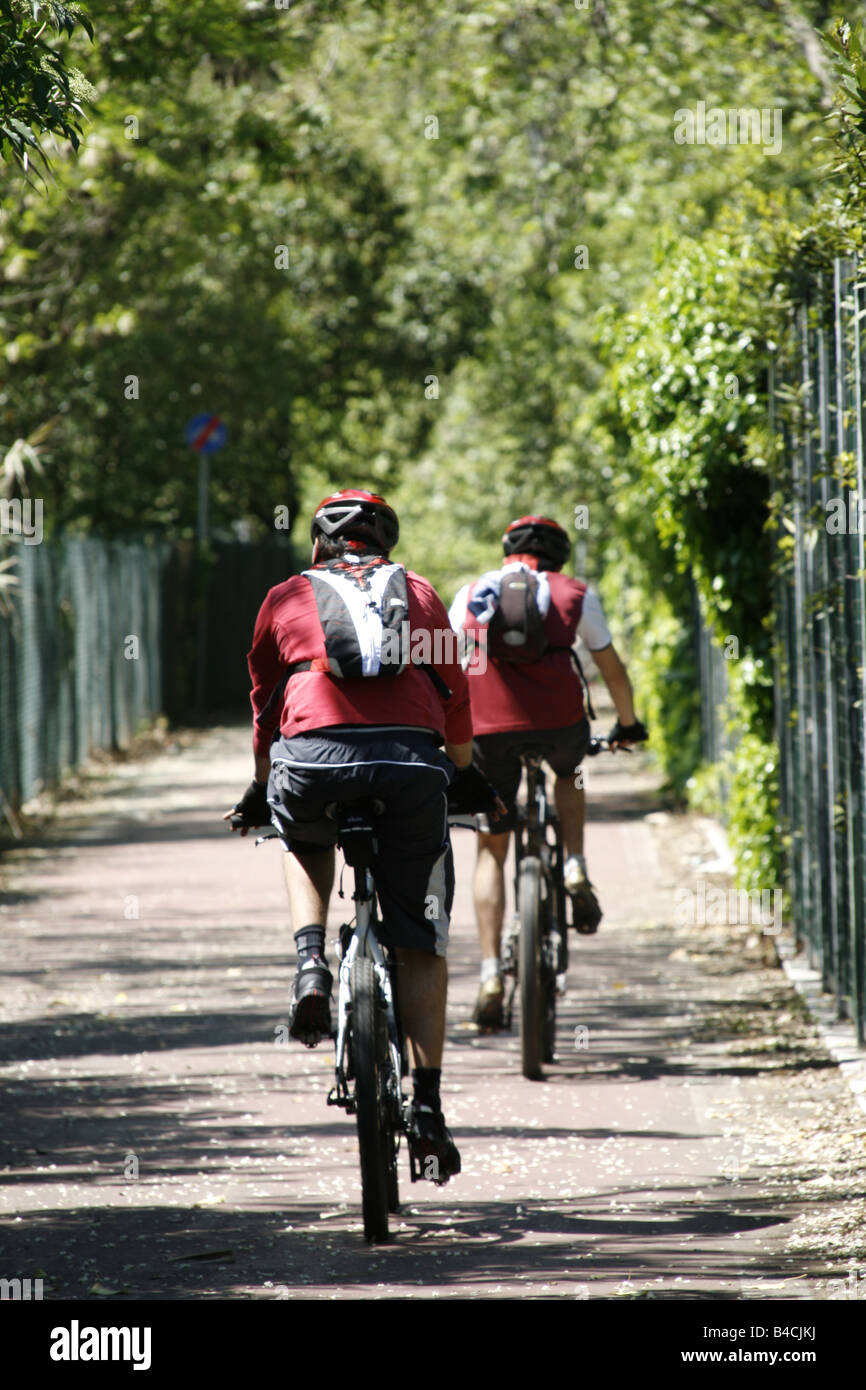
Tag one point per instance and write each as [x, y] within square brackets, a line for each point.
[371, 1114]
[393, 1177]
[394, 1091]
[551, 962]
[532, 1004]
[548, 990]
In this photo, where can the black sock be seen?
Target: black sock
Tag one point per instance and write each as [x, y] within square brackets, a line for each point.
[310, 942]
[425, 1081]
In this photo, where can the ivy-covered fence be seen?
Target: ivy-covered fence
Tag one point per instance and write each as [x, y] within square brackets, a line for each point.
[820, 629]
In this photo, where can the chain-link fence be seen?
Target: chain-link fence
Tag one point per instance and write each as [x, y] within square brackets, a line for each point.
[79, 656]
[716, 739]
[104, 635]
[820, 608]
[210, 603]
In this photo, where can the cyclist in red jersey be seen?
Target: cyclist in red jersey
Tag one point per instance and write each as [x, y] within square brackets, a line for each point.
[324, 731]
[513, 704]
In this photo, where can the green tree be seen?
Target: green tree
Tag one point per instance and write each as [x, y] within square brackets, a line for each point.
[39, 94]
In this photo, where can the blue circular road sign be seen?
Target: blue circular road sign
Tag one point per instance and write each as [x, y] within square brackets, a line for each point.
[206, 434]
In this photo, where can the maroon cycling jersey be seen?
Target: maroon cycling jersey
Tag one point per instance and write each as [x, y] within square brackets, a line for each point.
[288, 633]
[544, 694]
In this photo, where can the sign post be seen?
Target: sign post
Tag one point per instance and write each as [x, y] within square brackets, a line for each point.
[205, 434]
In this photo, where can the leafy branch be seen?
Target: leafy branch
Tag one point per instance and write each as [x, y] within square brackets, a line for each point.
[39, 93]
[845, 44]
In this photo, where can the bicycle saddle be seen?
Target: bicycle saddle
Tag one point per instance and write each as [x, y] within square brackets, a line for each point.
[355, 821]
[344, 812]
[533, 755]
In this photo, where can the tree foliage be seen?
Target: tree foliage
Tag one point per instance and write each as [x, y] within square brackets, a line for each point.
[39, 93]
[456, 253]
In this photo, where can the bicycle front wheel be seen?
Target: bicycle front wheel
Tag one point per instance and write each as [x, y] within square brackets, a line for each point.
[533, 1041]
[369, 1052]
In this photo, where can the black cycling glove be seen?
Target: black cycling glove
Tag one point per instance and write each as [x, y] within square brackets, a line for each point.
[631, 733]
[471, 793]
[252, 810]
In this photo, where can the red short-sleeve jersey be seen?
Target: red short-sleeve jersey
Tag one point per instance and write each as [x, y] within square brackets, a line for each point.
[288, 631]
[545, 694]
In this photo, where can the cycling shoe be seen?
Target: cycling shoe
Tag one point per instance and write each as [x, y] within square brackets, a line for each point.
[310, 1007]
[488, 1012]
[431, 1147]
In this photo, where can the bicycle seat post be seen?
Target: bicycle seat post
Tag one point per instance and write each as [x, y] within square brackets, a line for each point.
[532, 765]
[357, 840]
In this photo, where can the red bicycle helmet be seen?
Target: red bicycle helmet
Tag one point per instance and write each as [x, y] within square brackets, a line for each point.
[537, 535]
[359, 517]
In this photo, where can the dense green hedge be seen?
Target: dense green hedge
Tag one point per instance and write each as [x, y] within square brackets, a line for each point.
[687, 428]
[699, 480]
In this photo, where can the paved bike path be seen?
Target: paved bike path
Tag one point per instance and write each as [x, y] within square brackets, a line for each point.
[159, 1141]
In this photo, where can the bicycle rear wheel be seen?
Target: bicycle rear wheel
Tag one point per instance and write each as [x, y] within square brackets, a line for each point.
[393, 1179]
[548, 994]
[554, 960]
[394, 1093]
[370, 1053]
[533, 1041]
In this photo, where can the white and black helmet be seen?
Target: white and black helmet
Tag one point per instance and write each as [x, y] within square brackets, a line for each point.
[358, 517]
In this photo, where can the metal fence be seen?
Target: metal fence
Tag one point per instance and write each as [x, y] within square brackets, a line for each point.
[70, 678]
[716, 738]
[105, 635]
[820, 629]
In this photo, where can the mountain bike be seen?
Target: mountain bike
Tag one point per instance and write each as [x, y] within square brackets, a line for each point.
[371, 1054]
[535, 948]
[371, 1057]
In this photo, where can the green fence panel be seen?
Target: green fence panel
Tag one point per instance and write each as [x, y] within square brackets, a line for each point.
[820, 632]
[105, 635]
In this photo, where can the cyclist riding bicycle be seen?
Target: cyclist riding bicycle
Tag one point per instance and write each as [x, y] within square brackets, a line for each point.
[342, 714]
[528, 616]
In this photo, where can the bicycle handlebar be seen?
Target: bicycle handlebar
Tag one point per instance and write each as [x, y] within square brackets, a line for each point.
[603, 745]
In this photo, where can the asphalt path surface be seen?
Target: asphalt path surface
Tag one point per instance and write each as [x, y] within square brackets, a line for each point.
[160, 1140]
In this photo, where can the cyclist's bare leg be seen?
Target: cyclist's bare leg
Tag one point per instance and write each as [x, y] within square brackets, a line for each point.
[309, 879]
[423, 984]
[571, 808]
[490, 891]
[489, 912]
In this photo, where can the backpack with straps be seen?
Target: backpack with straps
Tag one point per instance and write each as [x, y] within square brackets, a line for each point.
[517, 627]
[363, 607]
[517, 610]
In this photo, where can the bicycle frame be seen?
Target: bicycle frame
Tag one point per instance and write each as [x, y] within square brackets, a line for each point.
[534, 824]
[362, 942]
[533, 844]
[356, 841]
[531, 839]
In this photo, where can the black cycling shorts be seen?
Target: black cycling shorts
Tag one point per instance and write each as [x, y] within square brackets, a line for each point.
[498, 757]
[406, 770]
